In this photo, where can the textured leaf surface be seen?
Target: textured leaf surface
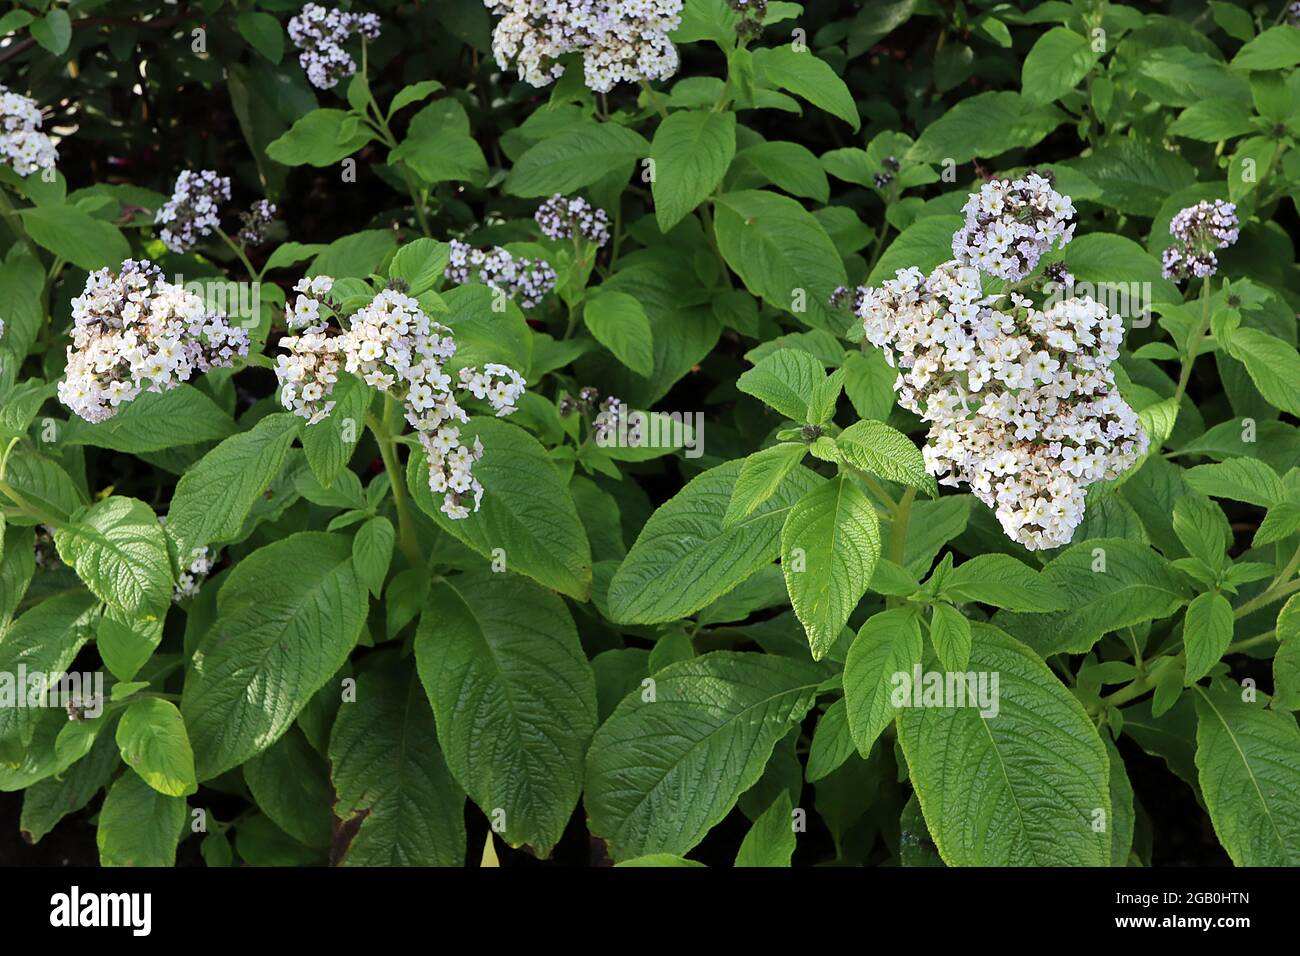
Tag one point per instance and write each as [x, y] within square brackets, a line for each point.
[661, 774]
[684, 559]
[692, 150]
[514, 698]
[889, 643]
[214, 497]
[835, 527]
[286, 619]
[138, 826]
[1018, 789]
[527, 509]
[386, 769]
[1248, 765]
[152, 738]
[119, 550]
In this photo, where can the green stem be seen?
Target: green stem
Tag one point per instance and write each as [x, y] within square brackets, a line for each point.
[707, 216]
[1278, 588]
[388, 453]
[27, 507]
[898, 530]
[238, 250]
[15, 223]
[1193, 345]
[654, 99]
[380, 124]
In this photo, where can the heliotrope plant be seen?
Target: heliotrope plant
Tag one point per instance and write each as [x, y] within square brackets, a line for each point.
[664, 432]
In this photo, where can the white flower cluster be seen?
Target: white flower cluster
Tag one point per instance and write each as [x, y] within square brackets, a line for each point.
[191, 580]
[393, 346]
[561, 218]
[526, 279]
[620, 40]
[132, 328]
[1009, 225]
[1198, 231]
[320, 34]
[1022, 402]
[194, 210]
[22, 144]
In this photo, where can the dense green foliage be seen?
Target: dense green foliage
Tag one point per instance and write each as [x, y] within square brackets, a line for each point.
[318, 648]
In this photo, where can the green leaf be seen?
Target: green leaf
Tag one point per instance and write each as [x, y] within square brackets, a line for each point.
[684, 558]
[290, 783]
[1238, 479]
[389, 774]
[1135, 176]
[372, 550]
[527, 509]
[48, 801]
[43, 640]
[53, 31]
[925, 244]
[264, 32]
[832, 743]
[619, 323]
[320, 138]
[152, 738]
[439, 147]
[830, 543]
[1058, 60]
[1207, 632]
[785, 380]
[287, 617]
[43, 483]
[771, 840]
[138, 826]
[761, 474]
[575, 157]
[413, 94]
[1002, 581]
[420, 264]
[653, 792]
[1022, 787]
[986, 125]
[514, 700]
[77, 236]
[1213, 119]
[806, 76]
[213, 497]
[691, 151]
[354, 256]
[1282, 521]
[781, 252]
[1277, 48]
[1109, 584]
[1273, 365]
[1248, 765]
[951, 637]
[120, 552]
[889, 644]
[155, 421]
[1202, 528]
[790, 166]
[877, 448]
[329, 444]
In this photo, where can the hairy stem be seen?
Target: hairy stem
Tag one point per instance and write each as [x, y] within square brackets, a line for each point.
[406, 539]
